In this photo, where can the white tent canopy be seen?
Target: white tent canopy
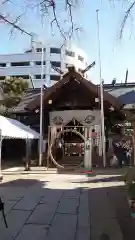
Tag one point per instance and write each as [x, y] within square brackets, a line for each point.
[11, 128]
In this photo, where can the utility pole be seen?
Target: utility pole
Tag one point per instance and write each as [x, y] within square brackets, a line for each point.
[101, 95]
[41, 108]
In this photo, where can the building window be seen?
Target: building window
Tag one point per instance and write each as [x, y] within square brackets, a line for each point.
[70, 53]
[21, 76]
[40, 63]
[80, 58]
[28, 51]
[56, 64]
[20, 64]
[55, 50]
[39, 50]
[39, 76]
[2, 64]
[2, 77]
[55, 77]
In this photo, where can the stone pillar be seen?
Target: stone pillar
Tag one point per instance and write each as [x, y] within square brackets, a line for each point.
[28, 155]
[88, 148]
[98, 140]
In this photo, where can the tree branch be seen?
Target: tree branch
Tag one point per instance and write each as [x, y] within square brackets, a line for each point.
[127, 13]
[56, 20]
[45, 5]
[71, 18]
[14, 25]
[5, 1]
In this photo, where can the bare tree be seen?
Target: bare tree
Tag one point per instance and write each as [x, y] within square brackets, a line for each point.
[14, 24]
[126, 16]
[52, 8]
[46, 7]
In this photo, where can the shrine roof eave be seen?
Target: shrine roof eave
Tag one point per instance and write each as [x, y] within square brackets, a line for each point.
[74, 76]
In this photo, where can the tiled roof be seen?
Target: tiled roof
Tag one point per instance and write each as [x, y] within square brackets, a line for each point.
[119, 88]
[72, 75]
[118, 91]
[28, 97]
[128, 98]
[124, 92]
[119, 85]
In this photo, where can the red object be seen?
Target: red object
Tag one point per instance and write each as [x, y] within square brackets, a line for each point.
[86, 171]
[92, 134]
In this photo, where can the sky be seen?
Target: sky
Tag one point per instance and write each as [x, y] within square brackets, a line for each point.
[116, 55]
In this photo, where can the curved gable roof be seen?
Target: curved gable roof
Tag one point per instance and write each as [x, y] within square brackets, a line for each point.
[72, 75]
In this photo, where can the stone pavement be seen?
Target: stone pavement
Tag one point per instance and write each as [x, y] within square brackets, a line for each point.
[58, 206]
[50, 207]
[109, 210]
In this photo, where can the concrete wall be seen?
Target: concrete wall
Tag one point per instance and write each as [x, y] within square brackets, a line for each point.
[34, 56]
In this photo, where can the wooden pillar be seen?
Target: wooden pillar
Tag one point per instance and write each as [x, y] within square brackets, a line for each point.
[88, 148]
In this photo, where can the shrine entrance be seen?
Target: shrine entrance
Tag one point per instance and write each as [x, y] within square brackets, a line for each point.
[72, 110]
[68, 144]
[73, 149]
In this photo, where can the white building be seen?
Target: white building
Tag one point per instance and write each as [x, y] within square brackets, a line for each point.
[28, 64]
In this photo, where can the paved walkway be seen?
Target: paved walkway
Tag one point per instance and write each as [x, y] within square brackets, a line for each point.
[50, 207]
[58, 206]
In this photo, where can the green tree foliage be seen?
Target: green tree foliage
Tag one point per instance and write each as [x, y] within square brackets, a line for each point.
[12, 91]
[129, 121]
